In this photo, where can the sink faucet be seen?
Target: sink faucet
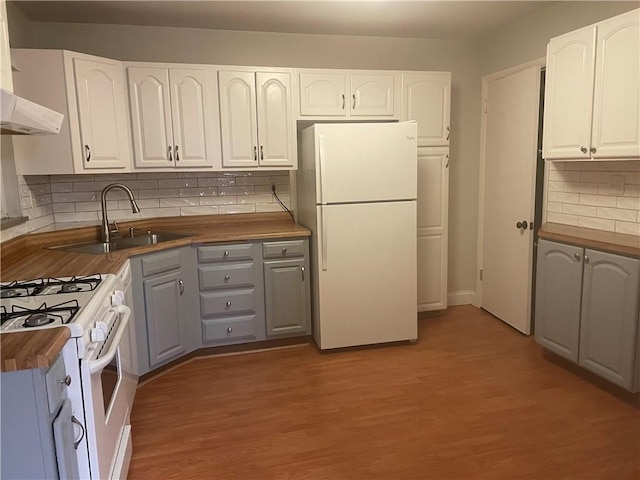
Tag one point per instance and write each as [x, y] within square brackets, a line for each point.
[105, 230]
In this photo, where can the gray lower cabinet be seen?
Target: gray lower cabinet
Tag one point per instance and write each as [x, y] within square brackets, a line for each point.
[587, 309]
[287, 289]
[164, 295]
[38, 432]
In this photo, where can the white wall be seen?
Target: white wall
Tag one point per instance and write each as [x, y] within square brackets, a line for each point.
[294, 50]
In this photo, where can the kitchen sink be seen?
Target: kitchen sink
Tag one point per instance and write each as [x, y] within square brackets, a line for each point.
[120, 243]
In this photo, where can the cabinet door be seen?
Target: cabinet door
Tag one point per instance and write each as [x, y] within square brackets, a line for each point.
[371, 95]
[188, 114]
[275, 119]
[151, 117]
[64, 438]
[558, 289]
[238, 119]
[433, 211]
[616, 100]
[6, 79]
[569, 94]
[165, 325]
[427, 100]
[610, 316]
[323, 94]
[102, 114]
[287, 296]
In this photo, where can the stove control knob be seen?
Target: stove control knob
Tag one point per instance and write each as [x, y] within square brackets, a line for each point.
[98, 335]
[117, 298]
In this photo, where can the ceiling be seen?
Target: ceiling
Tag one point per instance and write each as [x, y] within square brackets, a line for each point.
[391, 18]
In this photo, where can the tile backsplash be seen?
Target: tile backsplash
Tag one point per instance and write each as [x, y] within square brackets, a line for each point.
[46, 199]
[599, 195]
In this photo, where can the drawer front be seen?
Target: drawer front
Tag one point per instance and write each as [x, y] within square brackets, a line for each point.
[224, 253]
[228, 329]
[227, 302]
[290, 248]
[160, 262]
[56, 387]
[218, 276]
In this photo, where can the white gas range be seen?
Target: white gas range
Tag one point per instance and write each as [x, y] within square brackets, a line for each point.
[98, 361]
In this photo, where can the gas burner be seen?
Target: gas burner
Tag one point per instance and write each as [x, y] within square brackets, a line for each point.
[39, 320]
[50, 286]
[71, 288]
[14, 292]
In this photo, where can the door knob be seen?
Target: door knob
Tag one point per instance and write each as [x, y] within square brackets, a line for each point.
[523, 225]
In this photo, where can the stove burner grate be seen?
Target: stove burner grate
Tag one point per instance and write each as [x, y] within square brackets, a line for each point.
[47, 286]
[43, 315]
[40, 319]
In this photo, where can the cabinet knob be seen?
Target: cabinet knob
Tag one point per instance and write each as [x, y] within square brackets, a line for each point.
[66, 381]
[586, 259]
[227, 277]
[593, 150]
[576, 256]
[169, 153]
[229, 330]
[284, 250]
[523, 225]
[228, 304]
[583, 149]
[226, 253]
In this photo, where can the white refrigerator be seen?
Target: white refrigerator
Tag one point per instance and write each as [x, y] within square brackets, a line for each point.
[357, 185]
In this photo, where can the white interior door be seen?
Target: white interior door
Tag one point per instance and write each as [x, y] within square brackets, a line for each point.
[509, 196]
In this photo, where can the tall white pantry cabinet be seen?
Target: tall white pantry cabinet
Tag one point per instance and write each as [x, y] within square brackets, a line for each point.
[426, 98]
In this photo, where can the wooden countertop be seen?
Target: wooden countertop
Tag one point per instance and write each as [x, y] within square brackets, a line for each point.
[586, 237]
[28, 257]
[32, 349]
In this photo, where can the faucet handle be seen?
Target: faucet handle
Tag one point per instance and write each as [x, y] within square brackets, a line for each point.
[115, 228]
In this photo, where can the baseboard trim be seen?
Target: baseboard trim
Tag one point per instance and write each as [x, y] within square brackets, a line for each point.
[464, 297]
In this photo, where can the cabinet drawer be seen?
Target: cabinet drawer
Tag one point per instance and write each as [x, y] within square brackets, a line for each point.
[290, 248]
[56, 387]
[223, 253]
[228, 302]
[160, 262]
[227, 329]
[236, 275]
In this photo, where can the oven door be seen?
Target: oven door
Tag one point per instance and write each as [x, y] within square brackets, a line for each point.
[107, 392]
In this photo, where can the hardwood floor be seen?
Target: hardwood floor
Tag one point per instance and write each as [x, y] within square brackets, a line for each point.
[471, 399]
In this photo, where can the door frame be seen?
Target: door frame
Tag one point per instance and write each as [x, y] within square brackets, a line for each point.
[541, 63]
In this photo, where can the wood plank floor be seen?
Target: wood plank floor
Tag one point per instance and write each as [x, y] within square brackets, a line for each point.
[473, 399]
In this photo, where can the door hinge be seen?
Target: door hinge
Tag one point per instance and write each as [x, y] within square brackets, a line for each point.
[480, 275]
[485, 105]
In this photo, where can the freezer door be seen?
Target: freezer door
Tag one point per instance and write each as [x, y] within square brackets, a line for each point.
[366, 162]
[366, 274]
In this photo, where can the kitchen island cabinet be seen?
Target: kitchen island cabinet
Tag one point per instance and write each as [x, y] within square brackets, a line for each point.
[587, 309]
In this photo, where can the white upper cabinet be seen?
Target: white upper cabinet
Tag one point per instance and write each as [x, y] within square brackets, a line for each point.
[353, 95]
[173, 116]
[6, 80]
[102, 114]
[426, 98]
[256, 119]
[592, 96]
[90, 92]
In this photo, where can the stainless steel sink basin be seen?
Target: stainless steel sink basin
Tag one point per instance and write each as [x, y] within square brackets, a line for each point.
[121, 243]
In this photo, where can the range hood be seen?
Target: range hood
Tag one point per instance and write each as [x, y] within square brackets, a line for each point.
[22, 117]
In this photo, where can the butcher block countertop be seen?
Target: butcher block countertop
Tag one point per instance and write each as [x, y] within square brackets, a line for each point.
[28, 257]
[36, 349]
[589, 238]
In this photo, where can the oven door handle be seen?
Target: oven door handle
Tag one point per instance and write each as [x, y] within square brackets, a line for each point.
[99, 364]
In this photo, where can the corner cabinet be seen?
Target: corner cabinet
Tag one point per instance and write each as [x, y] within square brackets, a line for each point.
[256, 117]
[351, 95]
[587, 309]
[164, 295]
[90, 92]
[173, 117]
[592, 97]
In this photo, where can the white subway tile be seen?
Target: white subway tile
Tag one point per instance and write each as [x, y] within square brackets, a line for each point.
[155, 176]
[632, 179]
[554, 207]
[588, 166]
[199, 192]
[155, 193]
[177, 183]
[628, 228]
[76, 217]
[555, 166]
[95, 206]
[597, 200]
[90, 186]
[62, 187]
[595, 177]
[247, 199]
[64, 207]
[179, 202]
[123, 215]
[40, 189]
[74, 197]
[141, 184]
[42, 200]
[575, 187]
[216, 182]
[581, 210]
[556, 186]
[37, 179]
[237, 209]
[562, 218]
[628, 202]
[268, 207]
[71, 178]
[631, 191]
[617, 214]
[203, 210]
[116, 177]
[563, 197]
[564, 176]
[224, 200]
[610, 189]
[244, 190]
[160, 212]
[597, 223]
[147, 203]
[26, 202]
[621, 166]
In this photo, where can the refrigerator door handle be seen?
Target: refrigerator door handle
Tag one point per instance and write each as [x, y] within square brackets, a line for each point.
[323, 238]
[321, 168]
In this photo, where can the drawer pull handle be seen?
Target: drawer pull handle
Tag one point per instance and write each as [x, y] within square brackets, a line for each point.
[228, 304]
[577, 256]
[229, 330]
[227, 277]
[66, 381]
[284, 250]
[181, 284]
[76, 444]
[302, 271]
